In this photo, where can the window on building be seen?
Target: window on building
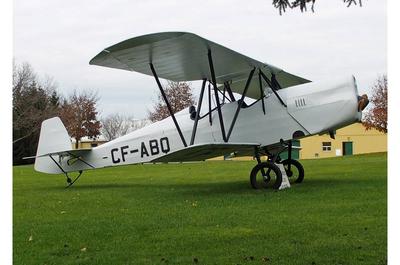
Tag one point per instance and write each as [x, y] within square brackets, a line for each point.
[326, 146]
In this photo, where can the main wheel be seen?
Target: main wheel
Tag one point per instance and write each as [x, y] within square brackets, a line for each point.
[296, 173]
[266, 175]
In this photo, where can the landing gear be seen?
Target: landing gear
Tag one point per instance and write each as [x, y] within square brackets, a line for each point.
[70, 181]
[268, 174]
[296, 172]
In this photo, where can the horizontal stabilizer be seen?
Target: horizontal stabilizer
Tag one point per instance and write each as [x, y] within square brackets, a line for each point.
[71, 152]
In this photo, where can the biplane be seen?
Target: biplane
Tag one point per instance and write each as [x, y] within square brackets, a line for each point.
[282, 107]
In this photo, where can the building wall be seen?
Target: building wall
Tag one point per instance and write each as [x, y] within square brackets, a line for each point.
[88, 144]
[363, 142]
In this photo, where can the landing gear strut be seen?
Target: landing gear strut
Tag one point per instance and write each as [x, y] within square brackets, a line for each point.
[70, 182]
[268, 175]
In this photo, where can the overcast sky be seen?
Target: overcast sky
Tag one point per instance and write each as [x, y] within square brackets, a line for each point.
[58, 38]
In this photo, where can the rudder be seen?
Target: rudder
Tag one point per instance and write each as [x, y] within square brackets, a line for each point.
[53, 138]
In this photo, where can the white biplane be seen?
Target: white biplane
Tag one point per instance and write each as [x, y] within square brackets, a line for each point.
[284, 107]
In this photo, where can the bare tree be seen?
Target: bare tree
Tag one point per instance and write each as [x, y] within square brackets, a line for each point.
[116, 125]
[33, 102]
[140, 123]
[282, 5]
[111, 126]
[79, 115]
[180, 96]
[376, 117]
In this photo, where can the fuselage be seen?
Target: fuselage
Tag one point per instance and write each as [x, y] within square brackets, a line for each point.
[312, 108]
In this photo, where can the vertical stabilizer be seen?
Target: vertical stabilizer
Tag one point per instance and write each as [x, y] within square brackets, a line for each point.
[53, 138]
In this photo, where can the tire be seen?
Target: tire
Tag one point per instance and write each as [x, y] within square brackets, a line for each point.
[295, 176]
[272, 180]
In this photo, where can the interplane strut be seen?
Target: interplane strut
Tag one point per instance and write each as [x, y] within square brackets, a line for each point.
[273, 84]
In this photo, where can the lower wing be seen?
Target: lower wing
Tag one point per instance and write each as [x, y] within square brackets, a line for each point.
[202, 152]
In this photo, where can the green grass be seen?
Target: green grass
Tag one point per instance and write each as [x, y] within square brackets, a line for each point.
[204, 212]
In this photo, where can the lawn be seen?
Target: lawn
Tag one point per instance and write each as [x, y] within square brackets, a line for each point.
[203, 213]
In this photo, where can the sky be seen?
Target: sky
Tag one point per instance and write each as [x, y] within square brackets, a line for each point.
[58, 38]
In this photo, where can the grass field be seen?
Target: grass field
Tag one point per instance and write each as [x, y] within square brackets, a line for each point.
[203, 213]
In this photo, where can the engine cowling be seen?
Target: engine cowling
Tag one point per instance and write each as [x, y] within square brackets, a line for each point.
[324, 106]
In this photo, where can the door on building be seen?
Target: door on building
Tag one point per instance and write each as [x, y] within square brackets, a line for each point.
[295, 152]
[347, 148]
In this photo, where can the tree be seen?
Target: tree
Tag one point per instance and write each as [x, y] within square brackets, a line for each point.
[376, 117]
[33, 102]
[79, 115]
[116, 125]
[179, 95]
[282, 5]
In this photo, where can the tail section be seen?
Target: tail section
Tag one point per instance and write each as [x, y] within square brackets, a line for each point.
[53, 138]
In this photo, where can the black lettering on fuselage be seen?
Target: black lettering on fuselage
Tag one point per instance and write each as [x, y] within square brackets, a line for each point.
[143, 150]
[154, 147]
[123, 153]
[164, 145]
[114, 160]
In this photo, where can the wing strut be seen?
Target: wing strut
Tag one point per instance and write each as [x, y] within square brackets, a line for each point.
[229, 90]
[214, 83]
[261, 92]
[225, 136]
[168, 105]
[223, 93]
[240, 103]
[273, 84]
[209, 104]
[203, 86]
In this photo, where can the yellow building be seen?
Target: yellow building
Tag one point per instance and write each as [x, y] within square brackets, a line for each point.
[352, 139]
[85, 142]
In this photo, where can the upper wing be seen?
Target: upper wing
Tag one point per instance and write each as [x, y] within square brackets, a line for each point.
[204, 151]
[182, 56]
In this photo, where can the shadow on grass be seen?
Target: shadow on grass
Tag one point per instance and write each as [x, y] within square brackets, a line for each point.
[201, 188]
[234, 186]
